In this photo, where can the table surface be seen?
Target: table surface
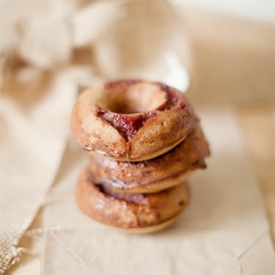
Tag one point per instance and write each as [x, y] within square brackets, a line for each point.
[258, 126]
[234, 63]
[226, 54]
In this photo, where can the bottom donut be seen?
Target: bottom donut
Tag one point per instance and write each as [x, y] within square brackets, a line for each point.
[131, 213]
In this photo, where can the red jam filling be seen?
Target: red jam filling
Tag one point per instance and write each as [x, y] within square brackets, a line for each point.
[103, 188]
[132, 198]
[129, 124]
[172, 100]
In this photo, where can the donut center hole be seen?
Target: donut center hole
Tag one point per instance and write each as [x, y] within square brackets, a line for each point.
[137, 98]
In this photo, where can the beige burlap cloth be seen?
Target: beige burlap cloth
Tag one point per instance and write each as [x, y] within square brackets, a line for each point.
[49, 51]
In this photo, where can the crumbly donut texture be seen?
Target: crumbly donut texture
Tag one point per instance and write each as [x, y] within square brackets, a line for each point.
[143, 140]
[156, 174]
[131, 120]
[129, 210]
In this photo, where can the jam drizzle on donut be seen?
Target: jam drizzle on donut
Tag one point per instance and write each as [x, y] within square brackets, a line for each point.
[133, 198]
[129, 124]
[172, 100]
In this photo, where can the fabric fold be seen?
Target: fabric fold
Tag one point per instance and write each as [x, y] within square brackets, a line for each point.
[33, 137]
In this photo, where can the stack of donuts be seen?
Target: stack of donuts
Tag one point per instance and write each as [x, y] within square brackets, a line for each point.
[143, 139]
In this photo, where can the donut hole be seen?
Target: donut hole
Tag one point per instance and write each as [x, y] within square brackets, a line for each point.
[138, 98]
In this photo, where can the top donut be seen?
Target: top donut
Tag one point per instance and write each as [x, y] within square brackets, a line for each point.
[131, 120]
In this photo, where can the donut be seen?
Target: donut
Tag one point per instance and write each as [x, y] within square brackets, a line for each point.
[131, 120]
[152, 175]
[138, 213]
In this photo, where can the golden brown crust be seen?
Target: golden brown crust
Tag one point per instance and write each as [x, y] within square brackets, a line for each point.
[156, 186]
[156, 174]
[148, 211]
[158, 119]
[149, 229]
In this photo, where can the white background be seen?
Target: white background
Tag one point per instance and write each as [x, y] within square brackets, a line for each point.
[262, 10]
